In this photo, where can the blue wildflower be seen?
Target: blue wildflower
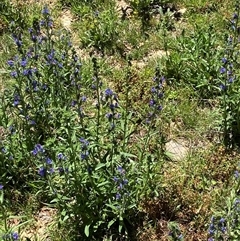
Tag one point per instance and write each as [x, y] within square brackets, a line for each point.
[42, 23]
[115, 179]
[235, 16]
[212, 229]
[15, 236]
[152, 102]
[125, 182]
[14, 74]
[74, 102]
[121, 170]
[17, 40]
[10, 63]
[32, 122]
[60, 156]
[222, 70]
[109, 116]
[45, 11]
[113, 106]
[84, 98]
[118, 196]
[120, 186]
[48, 161]
[223, 87]
[222, 220]
[42, 171]
[223, 229]
[44, 87]
[24, 62]
[27, 72]
[236, 174]
[224, 60]
[50, 23]
[51, 170]
[84, 143]
[38, 149]
[84, 155]
[231, 79]
[16, 100]
[211, 239]
[237, 201]
[108, 92]
[3, 150]
[11, 129]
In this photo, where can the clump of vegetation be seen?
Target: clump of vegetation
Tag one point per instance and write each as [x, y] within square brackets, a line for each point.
[71, 137]
[86, 125]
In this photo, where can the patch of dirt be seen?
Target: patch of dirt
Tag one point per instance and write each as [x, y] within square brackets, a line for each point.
[66, 19]
[139, 64]
[40, 229]
[40, 2]
[157, 54]
[123, 9]
[3, 133]
[182, 10]
[3, 26]
[154, 55]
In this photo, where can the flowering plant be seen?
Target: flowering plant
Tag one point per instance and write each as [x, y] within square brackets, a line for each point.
[69, 136]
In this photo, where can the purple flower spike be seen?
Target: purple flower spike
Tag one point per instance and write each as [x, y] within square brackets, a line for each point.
[38, 149]
[10, 63]
[42, 171]
[15, 236]
[108, 92]
[45, 11]
[118, 196]
[222, 70]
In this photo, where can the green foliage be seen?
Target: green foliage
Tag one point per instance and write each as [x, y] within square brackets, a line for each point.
[229, 77]
[10, 13]
[224, 223]
[102, 30]
[175, 232]
[145, 9]
[70, 141]
[195, 60]
[87, 136]
[86, 8]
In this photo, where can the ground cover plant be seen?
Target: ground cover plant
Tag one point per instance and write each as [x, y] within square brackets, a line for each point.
[119, 120]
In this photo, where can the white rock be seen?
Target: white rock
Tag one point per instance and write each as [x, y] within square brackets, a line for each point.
[176, 151]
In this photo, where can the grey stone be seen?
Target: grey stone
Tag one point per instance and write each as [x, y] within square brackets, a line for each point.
[176, 151]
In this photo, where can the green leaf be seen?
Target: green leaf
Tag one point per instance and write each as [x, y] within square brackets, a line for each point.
[99, 166]
[86, 230]
[102, 184]
[111, 223]
[120, 227]
[1, 197]
[112, 207]
[127, 154]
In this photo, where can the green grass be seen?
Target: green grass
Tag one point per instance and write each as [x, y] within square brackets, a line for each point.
[191, 190]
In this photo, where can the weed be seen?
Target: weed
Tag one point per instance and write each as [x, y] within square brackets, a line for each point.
[75, 137]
